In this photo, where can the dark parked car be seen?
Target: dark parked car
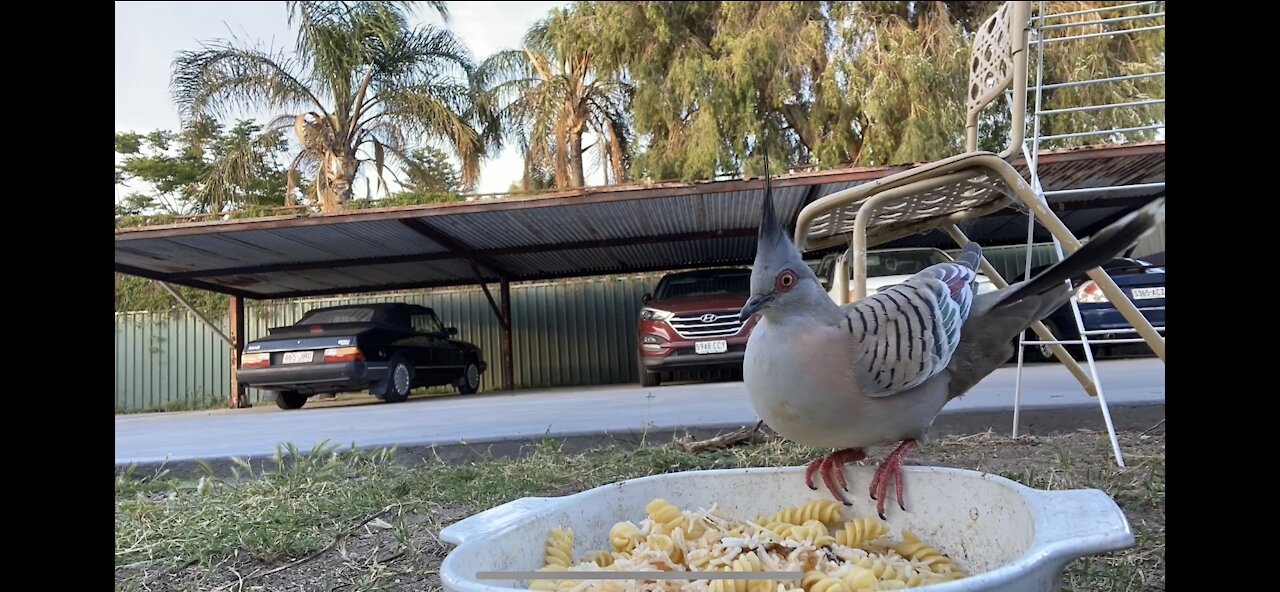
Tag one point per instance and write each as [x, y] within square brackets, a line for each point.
[387, 348]
[1141, 281]
[691, 321]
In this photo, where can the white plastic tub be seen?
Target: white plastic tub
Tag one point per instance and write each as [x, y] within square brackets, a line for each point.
[1010, 537]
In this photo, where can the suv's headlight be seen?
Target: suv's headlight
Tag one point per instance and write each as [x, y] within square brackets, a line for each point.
[654, 314]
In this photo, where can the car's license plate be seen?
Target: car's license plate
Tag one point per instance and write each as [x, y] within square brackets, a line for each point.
[718, 346]
[299, 357]
[1148, 293]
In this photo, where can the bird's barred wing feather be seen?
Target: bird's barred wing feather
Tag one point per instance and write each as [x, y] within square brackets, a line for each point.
[906, 334]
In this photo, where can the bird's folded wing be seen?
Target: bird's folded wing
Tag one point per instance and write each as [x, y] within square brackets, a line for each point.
[907, 334]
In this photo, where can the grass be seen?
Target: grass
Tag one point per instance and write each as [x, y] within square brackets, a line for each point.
[195, 402]
[362, 521]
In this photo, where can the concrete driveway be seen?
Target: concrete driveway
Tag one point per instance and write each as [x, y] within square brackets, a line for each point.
[562, 412]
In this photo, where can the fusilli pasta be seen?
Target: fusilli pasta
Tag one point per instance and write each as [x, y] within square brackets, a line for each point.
[834, 554]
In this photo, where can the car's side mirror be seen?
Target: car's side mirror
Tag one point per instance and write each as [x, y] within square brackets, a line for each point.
[451, 331]
[646, 298]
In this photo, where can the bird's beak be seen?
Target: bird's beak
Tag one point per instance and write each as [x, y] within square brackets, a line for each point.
[754, 305]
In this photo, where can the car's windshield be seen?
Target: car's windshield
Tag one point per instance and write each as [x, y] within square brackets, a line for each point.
[427, 323]
[341, 315]
[902, 262]
[731, 281]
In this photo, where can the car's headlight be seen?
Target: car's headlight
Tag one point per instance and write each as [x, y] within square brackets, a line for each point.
[985, 286]
[653, 343]
[1090, 293]
[654, 314]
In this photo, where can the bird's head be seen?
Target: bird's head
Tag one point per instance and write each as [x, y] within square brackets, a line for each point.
[780, 279]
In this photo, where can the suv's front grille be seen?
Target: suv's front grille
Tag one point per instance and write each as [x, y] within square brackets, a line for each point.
[711, 324]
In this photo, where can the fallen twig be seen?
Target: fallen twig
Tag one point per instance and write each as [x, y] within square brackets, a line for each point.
[1158, 424]
[739, 436]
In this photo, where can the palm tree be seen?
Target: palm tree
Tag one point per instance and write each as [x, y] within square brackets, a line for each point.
[358, 86]
[547, 95]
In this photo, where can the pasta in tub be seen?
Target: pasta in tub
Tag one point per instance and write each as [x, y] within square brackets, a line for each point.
[834, 553]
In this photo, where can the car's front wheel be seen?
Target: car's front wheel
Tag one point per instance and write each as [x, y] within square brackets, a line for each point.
[648, 378]
[399, 381]
[470, 381]
[290, 399]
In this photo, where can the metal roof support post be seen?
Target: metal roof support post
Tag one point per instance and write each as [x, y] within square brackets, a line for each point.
[503, 312]
[508, 363]
[238, 398]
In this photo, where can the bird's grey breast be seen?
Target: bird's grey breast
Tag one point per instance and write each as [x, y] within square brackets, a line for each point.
[799, 378]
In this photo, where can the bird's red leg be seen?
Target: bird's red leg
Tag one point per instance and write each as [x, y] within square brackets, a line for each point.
[891, 465]
[833, 463]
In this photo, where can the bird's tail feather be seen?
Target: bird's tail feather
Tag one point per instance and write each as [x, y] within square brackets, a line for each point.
[970, 256]
[1102, 247]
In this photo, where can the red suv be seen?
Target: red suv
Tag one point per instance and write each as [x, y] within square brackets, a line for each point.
[691, 320]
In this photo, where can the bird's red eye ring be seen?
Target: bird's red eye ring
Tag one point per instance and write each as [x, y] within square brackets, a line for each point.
[785, 280]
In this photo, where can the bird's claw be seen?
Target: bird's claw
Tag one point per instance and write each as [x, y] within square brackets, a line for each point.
[831, 468]
[890, 466]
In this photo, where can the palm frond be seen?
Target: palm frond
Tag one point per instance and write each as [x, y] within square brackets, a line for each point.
[219, 76]
[420, 55]
[438, 115]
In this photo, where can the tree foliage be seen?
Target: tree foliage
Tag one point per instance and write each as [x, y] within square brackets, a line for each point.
[171, 171]
[360, 90]
[430, 171]
[549, 94]
[836, 83]
[1131, 54]
[430, 177]
[648, 90]
[136, 294]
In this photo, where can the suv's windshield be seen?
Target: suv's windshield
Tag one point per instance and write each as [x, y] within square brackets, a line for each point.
[902, 262]
[882, 263]
[342, 315]
[729, 281]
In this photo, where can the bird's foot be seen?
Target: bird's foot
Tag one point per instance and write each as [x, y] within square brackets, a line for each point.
[828, 464]
[891, 465]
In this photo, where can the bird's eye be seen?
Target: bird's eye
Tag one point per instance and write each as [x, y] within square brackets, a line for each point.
[785, 280]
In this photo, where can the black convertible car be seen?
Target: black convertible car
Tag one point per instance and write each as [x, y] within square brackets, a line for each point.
[386, 348]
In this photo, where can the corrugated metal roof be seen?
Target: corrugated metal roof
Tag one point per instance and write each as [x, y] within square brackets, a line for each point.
[590, 231]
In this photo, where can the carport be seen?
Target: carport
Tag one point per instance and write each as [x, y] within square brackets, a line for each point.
[581, 232]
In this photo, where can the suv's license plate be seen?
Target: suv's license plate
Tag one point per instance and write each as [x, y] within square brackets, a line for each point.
[299, 357]
[718, 346]
[1147, 293]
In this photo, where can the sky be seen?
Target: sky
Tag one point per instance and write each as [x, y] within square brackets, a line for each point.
[150, 34]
